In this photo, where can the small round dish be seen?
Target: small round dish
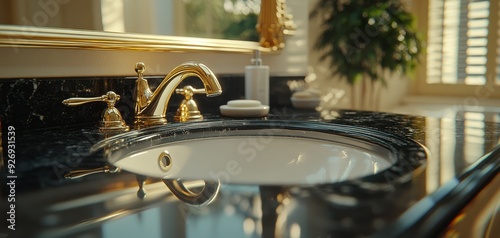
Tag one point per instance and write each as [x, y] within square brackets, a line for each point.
[305, 103]
[244, 108]
[244, 103]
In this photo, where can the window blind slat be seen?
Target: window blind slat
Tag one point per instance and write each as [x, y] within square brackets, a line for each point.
[457, 40]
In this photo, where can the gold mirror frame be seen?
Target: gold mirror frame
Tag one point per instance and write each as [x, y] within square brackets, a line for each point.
[274, 22]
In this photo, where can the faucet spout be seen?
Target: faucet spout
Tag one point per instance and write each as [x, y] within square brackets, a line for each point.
[151, 107]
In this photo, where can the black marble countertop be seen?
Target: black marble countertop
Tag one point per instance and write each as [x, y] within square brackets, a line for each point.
[106, 205]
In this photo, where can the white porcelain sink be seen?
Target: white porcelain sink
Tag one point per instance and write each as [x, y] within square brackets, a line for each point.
[282, 160]
[255, 153]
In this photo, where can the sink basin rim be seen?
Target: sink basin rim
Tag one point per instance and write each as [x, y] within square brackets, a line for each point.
[410, 156]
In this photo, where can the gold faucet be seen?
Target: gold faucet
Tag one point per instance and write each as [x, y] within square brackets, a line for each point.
[188, 109]
[151, 107]
[112, 120]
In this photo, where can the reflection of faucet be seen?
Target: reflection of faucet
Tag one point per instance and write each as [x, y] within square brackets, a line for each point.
[151, 107]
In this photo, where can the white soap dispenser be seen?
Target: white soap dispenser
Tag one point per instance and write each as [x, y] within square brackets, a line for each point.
[257, 80]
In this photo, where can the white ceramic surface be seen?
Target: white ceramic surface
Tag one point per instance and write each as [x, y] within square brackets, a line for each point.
[244, 108]
[244, 103]
[305, 103]
[262, 159]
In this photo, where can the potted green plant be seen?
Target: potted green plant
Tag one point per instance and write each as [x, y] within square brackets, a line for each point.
[364, 39]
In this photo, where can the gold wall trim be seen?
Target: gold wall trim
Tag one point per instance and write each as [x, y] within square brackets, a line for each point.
[37, 37]
[273, 24]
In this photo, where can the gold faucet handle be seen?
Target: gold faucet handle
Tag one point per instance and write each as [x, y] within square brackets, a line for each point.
[79, 101]
[76, 174]
[189, 91]
[112, 120]
[188, 110]
[110, 97]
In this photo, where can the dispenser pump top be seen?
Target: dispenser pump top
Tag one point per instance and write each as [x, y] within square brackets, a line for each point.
[256, 60]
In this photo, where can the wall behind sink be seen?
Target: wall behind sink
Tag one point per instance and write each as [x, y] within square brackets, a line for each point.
[34, 103]
[33, 82]
[19, 62]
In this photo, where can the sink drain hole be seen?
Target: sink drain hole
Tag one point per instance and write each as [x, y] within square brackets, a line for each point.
[165, 161]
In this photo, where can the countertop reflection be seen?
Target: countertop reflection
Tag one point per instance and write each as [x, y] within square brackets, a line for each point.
[106, 205]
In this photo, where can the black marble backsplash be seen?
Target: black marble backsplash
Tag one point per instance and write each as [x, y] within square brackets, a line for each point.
[33, 103]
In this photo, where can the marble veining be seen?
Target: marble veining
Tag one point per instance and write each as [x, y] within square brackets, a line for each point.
[34, 103]
[48, 205]
[352, 208]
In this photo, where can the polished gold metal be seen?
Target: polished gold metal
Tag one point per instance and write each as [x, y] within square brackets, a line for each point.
[39, 37]
[203, 198]
[112, 120]
[75, 174]
[188, 109]
[272, 24]
[165, 161]
[151, 107]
